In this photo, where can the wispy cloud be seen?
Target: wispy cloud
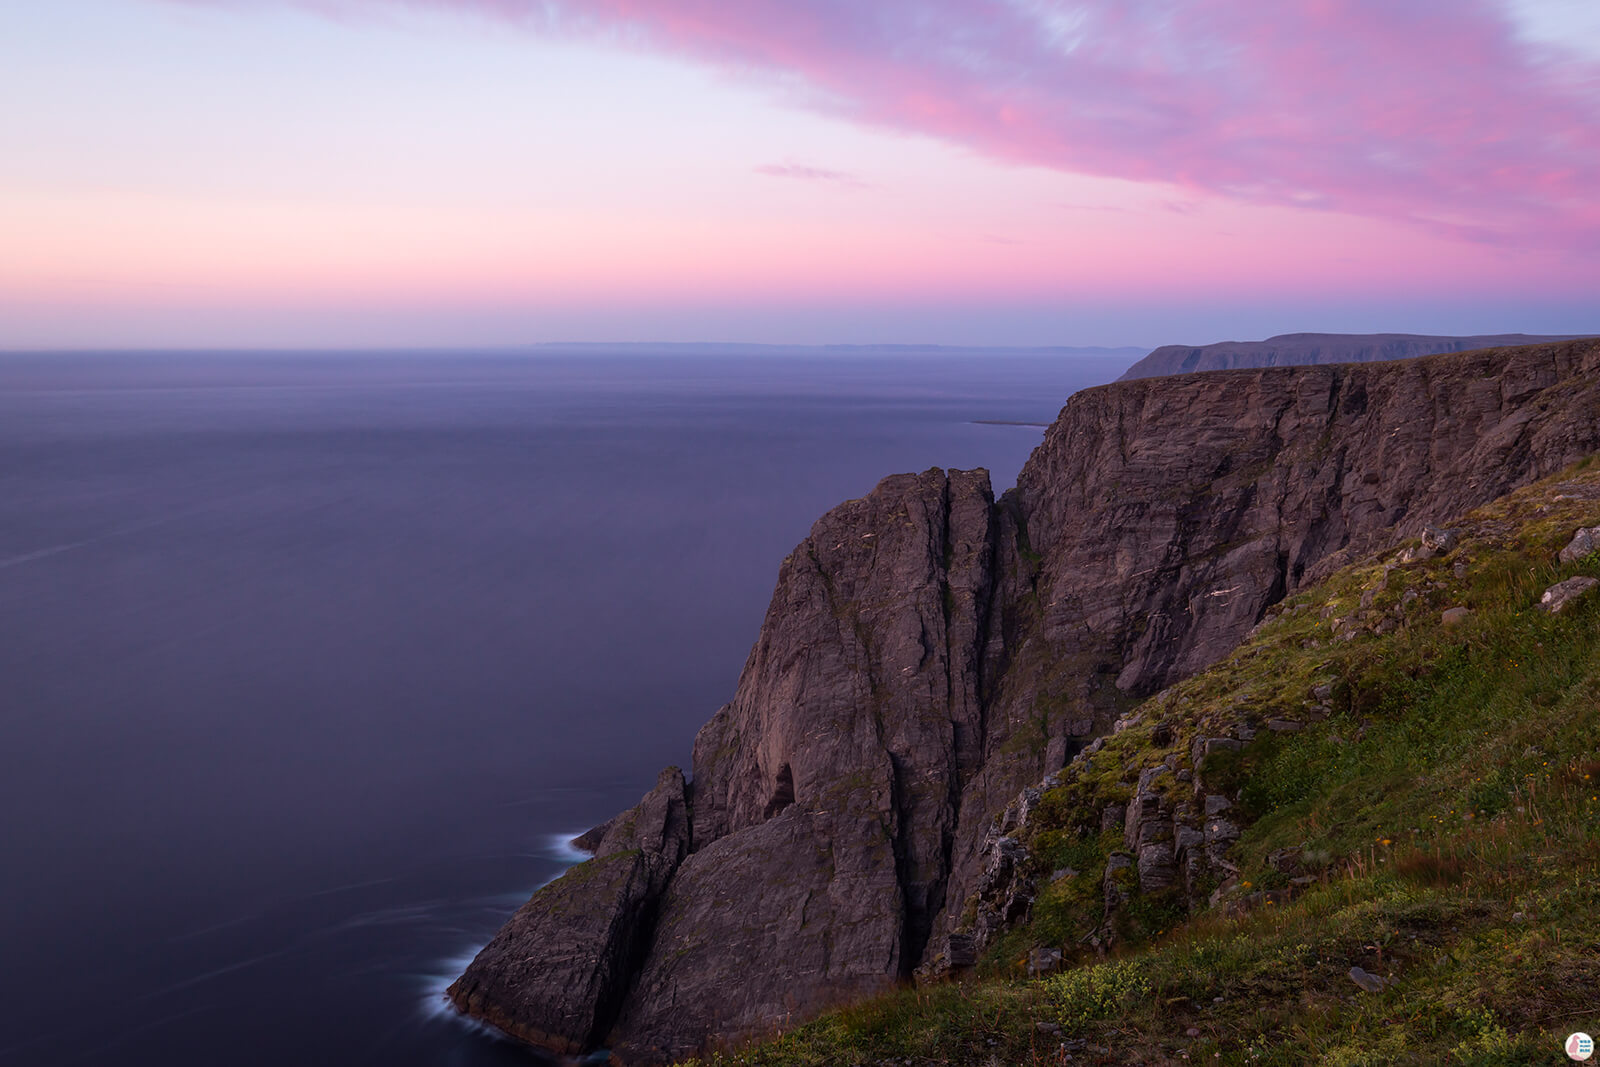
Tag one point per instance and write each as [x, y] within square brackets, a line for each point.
[1436, 112]
[1107, 209]
[811, 174]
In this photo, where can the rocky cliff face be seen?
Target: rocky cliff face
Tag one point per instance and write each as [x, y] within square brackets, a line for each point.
[930, 651]
[1307, 349]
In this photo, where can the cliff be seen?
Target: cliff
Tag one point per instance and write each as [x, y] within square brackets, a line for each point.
[930, 651]
[1309, 349]
[1367, 835]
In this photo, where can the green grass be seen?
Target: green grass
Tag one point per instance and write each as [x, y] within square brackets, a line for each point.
[1448, 806]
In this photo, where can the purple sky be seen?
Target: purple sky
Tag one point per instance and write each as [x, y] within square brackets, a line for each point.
[261, 172]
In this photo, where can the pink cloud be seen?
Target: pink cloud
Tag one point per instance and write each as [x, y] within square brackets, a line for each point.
[812, 174]
[1433, 112]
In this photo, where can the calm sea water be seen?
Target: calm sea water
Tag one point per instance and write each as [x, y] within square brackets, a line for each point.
[310, 663]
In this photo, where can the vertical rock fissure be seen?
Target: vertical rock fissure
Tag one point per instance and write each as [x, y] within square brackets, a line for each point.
[904, 873]
[608, 1008]
[782, 793]
[918, 892]
[1279, 588]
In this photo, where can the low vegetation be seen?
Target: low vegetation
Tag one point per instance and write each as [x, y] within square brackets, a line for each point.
[1430, 816]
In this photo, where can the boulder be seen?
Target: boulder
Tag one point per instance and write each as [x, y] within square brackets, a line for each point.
[1367, 981]
[1439, 541]
[1043, 961]
[1585, 542]
[960, 952]
[1558, 596]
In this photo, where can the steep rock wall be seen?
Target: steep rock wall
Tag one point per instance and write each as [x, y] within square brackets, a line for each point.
[1168, 513]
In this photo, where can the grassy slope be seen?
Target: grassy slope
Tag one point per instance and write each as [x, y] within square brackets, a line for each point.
[1448, 812]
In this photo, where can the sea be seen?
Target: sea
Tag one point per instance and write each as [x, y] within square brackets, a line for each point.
[312, 663]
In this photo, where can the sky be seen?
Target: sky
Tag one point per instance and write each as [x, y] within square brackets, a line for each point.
[297, 173]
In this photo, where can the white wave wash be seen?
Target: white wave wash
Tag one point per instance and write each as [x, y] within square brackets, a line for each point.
[435, 1004]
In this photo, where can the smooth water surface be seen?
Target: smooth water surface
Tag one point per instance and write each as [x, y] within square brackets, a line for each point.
[309, 663]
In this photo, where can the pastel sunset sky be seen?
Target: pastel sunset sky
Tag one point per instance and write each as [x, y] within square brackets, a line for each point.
[1016, 172]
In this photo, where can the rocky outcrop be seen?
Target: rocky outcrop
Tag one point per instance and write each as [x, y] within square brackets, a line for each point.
[1311, 349]
[1167, 514]
[556, 974]
[766, 927]
[1585, 542]
[1558, 597]
[930, 652]
[826, 793]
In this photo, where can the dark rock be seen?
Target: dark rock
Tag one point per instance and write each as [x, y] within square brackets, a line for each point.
[1158, 868]
[1189, 853]
[1005, 893]
[1558, 596]
[589, 840]
[960, 951]
[1146, 821]
[1285, 726]
[1220, 834]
